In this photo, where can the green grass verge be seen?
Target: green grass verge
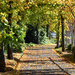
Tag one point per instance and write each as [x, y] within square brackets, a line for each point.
[59, 50]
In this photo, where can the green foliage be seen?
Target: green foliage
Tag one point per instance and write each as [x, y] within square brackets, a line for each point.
[43, 39]
[30, 44]
[69, 48]
[33, 12]
[72, 49]
[59, 50]
[42, 36]
[31, 35]
[13, 28]
[17, 47]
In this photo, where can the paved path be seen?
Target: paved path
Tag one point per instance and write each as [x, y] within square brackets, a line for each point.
[42, 60]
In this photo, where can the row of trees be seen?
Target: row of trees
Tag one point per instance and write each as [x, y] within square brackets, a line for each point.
[16, 15]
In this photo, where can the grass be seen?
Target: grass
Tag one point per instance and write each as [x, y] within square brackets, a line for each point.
[59, 50]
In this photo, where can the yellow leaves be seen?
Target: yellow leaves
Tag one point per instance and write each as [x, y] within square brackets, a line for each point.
[16, 1]
[3, 18]
[11, 32]
[0, 36]
[22, 8]
[67, 37]
[17, 26]
[70, 1]
[19, 17]
[2, 14]
[8, 6]
[4, 32]
[27, 7]
[15, 18]
[10, 0]
[21, 0]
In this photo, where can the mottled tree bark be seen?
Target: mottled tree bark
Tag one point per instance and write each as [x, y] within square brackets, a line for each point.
[47, 30]
[37, 32]
[74, 40]
[9, 46]
[9, 52]
[2, 59]
[74, 52]
[58, 36]
[62, 22]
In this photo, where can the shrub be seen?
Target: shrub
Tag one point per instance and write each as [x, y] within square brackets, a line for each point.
[43, 39]
[69, 48]
[72, 49]
[17, 47]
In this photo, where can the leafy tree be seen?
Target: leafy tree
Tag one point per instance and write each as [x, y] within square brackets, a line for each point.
[16, 15]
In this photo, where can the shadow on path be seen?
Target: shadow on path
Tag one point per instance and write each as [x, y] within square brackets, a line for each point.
[50, 65]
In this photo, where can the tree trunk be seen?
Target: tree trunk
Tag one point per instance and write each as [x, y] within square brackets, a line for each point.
[37, 34]
[47, 30]
[10, 55]
[58, 37]
[62, 22]
[58, 42]
[74, 52]
[9, 52]
[74, 39]
[2, 59]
